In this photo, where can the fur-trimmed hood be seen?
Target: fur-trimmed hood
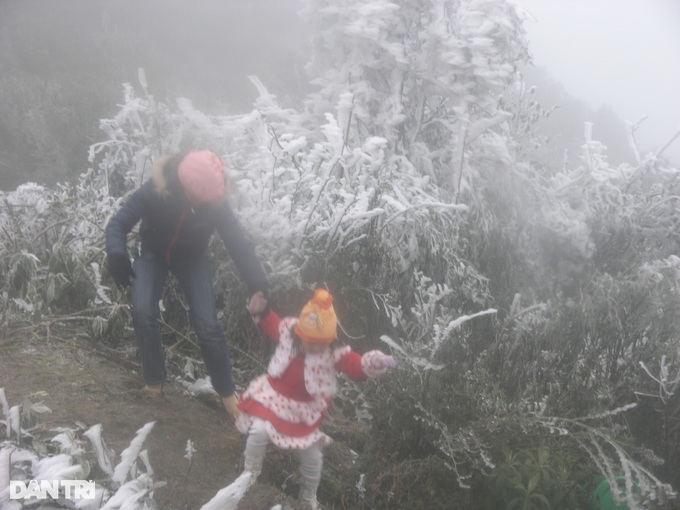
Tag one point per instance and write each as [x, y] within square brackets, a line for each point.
[164, 174]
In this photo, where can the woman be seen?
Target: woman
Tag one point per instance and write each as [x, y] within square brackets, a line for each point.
[180, 208]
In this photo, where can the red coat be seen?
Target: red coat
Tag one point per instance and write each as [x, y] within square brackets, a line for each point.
[294, 395]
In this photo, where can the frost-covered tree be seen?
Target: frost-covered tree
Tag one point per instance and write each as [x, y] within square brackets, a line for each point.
[424, 75]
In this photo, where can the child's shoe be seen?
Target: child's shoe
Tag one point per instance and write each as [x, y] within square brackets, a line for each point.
[254, 467]
[308, 494]
[310, 504]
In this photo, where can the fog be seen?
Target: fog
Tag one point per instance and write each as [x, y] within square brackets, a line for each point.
[63, 63]
[201, 49]
[621, 53]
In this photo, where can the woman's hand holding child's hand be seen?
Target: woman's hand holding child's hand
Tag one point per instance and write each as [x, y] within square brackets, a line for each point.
[257, 304]
[381, 360]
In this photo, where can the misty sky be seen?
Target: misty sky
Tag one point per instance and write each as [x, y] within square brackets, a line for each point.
[72, 57]
[619, 52]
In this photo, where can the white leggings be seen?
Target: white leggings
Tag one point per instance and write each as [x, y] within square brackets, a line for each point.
[311, 459]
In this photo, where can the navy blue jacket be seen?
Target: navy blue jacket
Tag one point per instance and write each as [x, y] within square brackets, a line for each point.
[177, 232]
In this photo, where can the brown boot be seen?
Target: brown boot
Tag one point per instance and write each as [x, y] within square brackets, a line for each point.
[153, 391]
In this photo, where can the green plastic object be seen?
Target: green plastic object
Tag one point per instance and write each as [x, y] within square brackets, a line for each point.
[603, 499]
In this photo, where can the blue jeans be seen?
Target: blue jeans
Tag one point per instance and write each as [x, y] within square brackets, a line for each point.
[195, 280]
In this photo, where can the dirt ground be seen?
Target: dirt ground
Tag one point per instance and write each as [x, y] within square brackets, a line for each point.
[94, 387]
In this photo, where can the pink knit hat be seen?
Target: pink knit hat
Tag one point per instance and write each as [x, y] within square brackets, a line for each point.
[203, 176]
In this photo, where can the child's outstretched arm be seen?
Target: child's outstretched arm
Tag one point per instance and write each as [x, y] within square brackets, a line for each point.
[371, 364]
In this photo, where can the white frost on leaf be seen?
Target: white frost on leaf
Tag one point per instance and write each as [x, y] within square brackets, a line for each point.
[190, 450]
[130, 454]
[201, 386]
[104, 454]
[228, 497]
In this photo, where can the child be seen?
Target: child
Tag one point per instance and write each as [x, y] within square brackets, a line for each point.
[288, 404]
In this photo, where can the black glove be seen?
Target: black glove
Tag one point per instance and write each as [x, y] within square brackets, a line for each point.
[120, 269]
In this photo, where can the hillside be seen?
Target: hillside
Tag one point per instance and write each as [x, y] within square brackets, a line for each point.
[85, 387]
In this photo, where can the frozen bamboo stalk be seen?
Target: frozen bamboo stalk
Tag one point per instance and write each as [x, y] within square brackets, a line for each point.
[460, 154]
[673, 138]
[630, 133]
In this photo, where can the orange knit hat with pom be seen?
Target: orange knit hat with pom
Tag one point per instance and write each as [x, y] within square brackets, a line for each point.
[317, 323]
[203, 176]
